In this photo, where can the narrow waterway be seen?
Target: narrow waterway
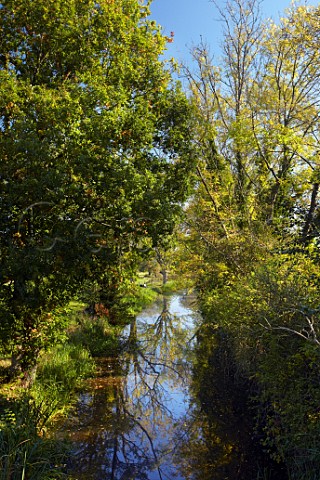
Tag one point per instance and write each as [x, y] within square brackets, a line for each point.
[144, 416]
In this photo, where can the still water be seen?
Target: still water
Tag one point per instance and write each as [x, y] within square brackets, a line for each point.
[144, 416]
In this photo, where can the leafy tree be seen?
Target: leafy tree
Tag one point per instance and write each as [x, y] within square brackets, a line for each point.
[95, 153]
[220, 93]
[285, 114]
[253, 220]
[257, 121]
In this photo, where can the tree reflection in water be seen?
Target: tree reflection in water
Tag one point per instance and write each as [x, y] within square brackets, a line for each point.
[126, 422]
[169, 408]
[222, 443]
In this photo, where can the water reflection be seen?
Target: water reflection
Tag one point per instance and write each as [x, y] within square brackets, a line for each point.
[135, 408]
[171, 407]
[222, 440]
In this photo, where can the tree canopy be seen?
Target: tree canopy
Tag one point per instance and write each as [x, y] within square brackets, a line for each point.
[95, 151]
[253, 221]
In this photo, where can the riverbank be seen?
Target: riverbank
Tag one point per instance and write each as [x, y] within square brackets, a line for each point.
[28, 413]
[130, 421]
[169, 405]
[164, 390]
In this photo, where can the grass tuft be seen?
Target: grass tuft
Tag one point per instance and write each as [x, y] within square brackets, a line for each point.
[97, 336]
[59, 375]
[25, 453]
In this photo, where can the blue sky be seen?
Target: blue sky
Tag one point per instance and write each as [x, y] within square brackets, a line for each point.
[191, 19]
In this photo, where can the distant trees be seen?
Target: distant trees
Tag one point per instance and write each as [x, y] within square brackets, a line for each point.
[95, 155]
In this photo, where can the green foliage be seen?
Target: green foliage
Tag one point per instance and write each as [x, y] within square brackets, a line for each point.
[96, 335]
[272, 318]
[59, 375]
[140, 299]
[169, 287]
[256, 158]
[96, 155]
[24, 453]
[288, 367]
[252, 225]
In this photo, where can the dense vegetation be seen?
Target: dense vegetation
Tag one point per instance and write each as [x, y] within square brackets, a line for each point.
[253, 223]
[95, 164]
[95, 158]
[100, 151]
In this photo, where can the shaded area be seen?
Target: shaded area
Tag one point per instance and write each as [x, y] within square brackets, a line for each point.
[223, 442]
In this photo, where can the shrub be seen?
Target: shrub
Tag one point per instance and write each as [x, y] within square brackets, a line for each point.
[272, 318]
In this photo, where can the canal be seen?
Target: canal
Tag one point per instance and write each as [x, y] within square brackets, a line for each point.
[150, 415]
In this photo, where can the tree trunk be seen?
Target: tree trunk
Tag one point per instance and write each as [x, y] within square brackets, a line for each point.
[309, 217]
[164, 274]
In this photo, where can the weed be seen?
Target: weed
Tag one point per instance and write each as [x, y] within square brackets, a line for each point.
[96, 335]
[59, 375]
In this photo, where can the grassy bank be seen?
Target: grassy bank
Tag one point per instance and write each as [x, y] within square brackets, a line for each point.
[174, 284]
[28, 414]
[28, 449]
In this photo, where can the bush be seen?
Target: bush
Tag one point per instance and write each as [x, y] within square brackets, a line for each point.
[170, 287]
[142, 298]
[272, 317]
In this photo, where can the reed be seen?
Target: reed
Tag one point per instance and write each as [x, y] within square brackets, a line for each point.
[25, 451]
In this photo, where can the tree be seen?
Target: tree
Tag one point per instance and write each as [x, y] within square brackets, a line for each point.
[285, 113]
[220, 92]
[95, 152]
[258, 115]
[257, 260]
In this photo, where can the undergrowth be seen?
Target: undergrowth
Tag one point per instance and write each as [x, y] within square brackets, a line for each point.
[25, 451]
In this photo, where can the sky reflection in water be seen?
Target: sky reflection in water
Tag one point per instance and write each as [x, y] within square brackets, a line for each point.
[132, 423]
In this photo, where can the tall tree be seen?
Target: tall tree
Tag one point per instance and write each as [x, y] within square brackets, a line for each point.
[258, 120]
[221, 93]
[95, 152]
[285, 115]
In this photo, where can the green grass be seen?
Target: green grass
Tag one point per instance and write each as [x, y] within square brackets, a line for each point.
[142, 298]
[26, 416]
[60, 374]
[96, 335]
[25, 452]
